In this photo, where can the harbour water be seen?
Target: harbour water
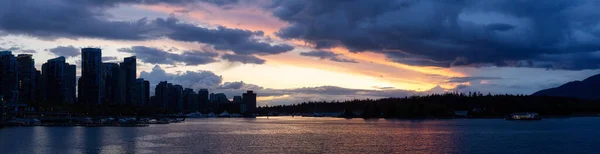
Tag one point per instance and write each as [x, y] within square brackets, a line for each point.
[314, 135]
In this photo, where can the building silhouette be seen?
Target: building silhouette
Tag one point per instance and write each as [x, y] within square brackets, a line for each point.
[141, 91]
[175, 98]
[128, 67]
[26, 78]
[249, 99]
[237, 99]
[190, 100]
[112, 84]
[8, 77]
[58, 82]
[90, 83]
[70, 83]
[161, 95]
[203, 105]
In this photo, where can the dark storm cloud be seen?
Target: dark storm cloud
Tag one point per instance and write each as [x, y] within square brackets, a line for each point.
[67, 51]
[159, 56]
[328, 55]
[237, 40]
[88, 19]
[448, 33]
[244, 59]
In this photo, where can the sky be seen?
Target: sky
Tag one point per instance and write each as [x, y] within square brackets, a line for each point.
[292, 51]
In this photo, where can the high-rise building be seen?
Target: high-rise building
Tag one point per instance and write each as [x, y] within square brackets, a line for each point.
[220, 98]
[90, 83]
[189, 103]
[146, 92]
[237, 99]
[70, 83]
[203, 100]
[8, 77]
[141, 90]
[161, 95]
[128, 67]
[38, 87]
[26, 78]
[111, 84]
[249, 98]
[56, 81]
[175, 98]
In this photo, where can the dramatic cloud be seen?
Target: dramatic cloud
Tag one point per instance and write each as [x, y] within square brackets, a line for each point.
[188, 79]
[451, 33]
[244, 59]
[158, 56]
[67, 51]
[88, 19]
[328, 55]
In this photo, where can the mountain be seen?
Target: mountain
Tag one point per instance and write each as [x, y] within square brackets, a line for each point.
[586, 89]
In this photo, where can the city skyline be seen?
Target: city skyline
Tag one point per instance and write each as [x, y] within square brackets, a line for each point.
[106, 84]
[291, 52]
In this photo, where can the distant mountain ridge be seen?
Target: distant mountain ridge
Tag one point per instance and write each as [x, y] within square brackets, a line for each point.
[586, 89]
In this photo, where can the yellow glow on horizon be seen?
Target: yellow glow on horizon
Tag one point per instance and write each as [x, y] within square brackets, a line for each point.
[268, 98]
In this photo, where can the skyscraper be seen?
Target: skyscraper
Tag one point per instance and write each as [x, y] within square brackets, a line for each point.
[161, 95]
[141, 90]
[249, 98]
[146, 92]
[26, 78]
[128, 67]
[189, 103]
[91, 76]
[70, 83]
[175, 98]
[56, 81]
[8, 77]
[111, 87]
[203, 100]
[237, 99]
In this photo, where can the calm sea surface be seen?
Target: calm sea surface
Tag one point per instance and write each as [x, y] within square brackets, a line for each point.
[314, 135]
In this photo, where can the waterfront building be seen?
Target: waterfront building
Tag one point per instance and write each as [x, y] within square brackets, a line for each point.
[57, 87]
[249, 98]
[237, 99]
[140, 96]
[70, 84]
[8, 77]
[111, 84]
[189, 97]
[161, 94]
[203, 100]
[91, 76]
[128, 67]
[26, 78]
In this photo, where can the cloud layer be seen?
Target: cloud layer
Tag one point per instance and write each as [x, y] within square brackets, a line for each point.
[451, 33]
[328, 55]
[88, 19]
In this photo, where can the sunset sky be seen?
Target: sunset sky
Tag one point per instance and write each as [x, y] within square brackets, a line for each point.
[291, 51]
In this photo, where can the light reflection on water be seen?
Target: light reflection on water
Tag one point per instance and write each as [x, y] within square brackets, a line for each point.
[313, 135]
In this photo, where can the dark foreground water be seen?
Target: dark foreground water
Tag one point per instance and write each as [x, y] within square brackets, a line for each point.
[314, 135]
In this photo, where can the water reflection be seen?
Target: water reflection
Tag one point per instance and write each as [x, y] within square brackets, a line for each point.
[312, 135]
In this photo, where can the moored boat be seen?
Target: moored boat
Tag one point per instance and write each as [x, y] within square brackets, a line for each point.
[524, 116]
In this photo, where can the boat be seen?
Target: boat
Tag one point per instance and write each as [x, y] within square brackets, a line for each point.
[524, 116]
[195, 115]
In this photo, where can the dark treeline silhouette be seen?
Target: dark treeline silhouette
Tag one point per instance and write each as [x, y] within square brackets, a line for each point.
[476, 104]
